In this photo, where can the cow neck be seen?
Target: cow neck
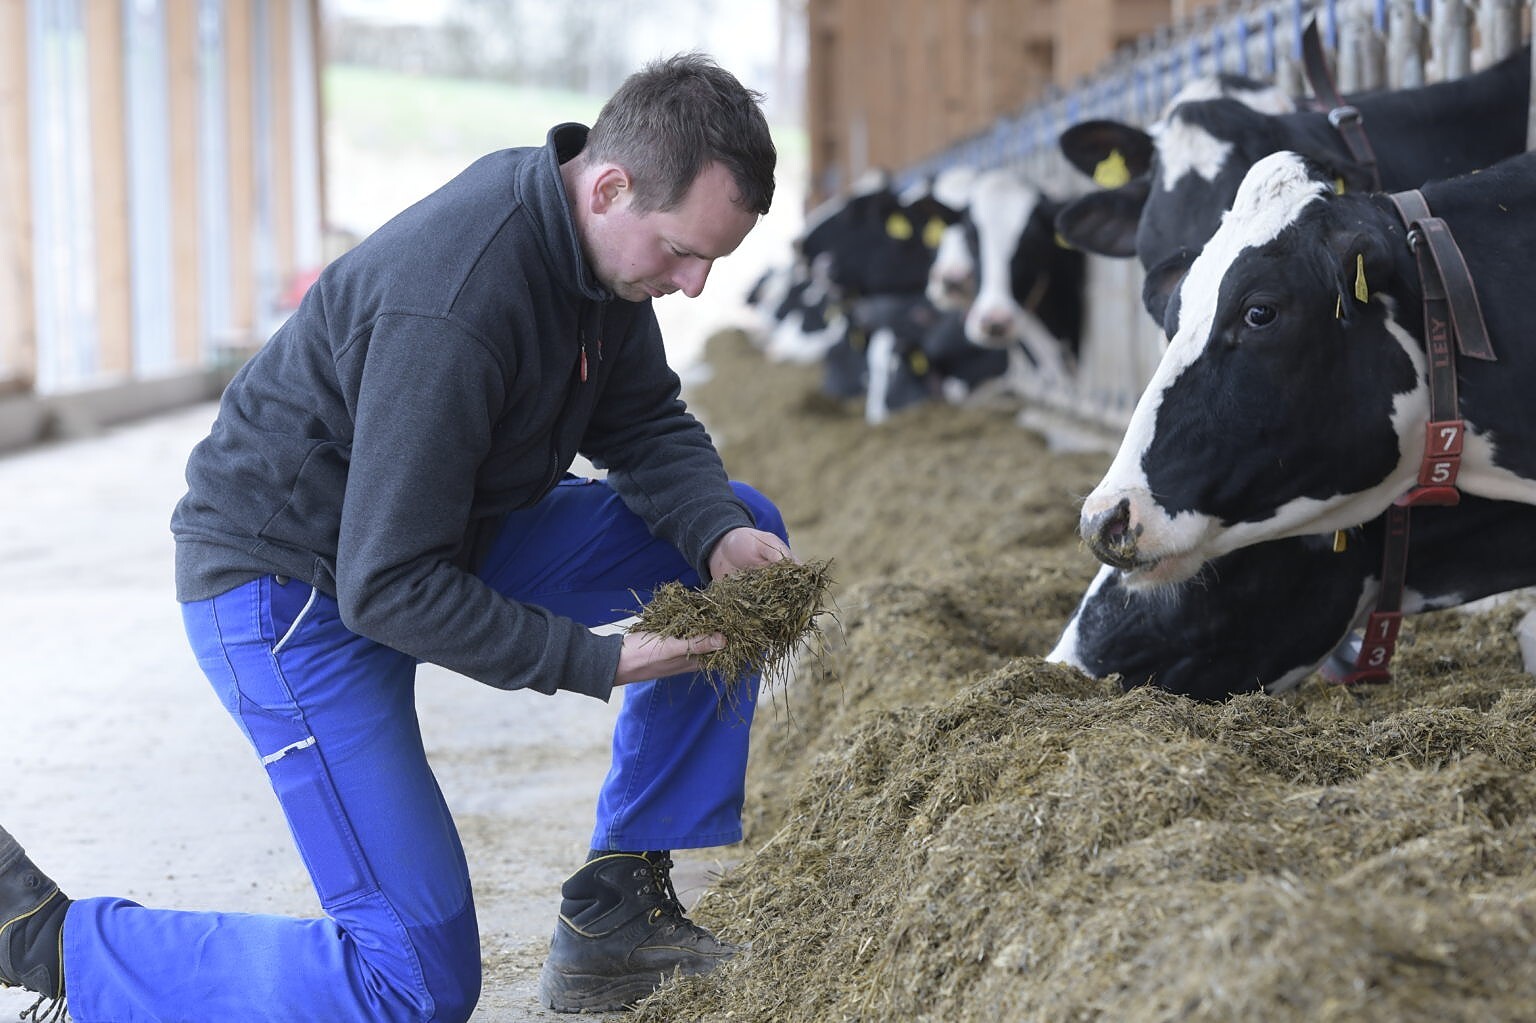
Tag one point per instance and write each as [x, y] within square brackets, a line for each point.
[1345, 117]
[1453, 321]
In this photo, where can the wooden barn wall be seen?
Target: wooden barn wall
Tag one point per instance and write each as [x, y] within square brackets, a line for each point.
[892, 81]
[160, 184]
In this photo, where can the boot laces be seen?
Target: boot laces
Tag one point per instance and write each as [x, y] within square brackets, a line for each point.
[660, 877]
[56, 1011]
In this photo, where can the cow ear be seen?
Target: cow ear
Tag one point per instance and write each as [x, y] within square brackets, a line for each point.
[1105, 222]
[1162, 283]
[1345, 175]
[1109, 152]
[1362, 266]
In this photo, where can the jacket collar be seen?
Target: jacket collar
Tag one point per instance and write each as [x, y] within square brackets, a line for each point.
[543, 192]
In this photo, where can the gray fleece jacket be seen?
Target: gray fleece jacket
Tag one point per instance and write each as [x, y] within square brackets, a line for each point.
[431, 381]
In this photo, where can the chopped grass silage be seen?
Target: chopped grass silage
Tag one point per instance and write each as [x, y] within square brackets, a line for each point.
[950, 829]
[766, 614]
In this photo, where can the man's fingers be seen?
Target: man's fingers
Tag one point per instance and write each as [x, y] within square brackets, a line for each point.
[705, 644]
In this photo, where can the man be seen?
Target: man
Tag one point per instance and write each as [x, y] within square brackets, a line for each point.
[386, 484]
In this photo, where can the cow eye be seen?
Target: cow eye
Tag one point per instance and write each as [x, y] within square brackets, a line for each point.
[1259, 315]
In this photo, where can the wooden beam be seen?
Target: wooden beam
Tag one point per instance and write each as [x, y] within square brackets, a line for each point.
[317, 64]
[18, 323]
[239, 32]
[1085, 34]
[279, 83]
[109, 188]
[182, 56]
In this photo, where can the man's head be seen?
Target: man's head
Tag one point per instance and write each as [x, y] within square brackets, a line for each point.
[673, 176]
[674, 117]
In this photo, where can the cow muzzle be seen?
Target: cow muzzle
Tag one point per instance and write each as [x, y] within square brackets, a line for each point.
[1111, 535]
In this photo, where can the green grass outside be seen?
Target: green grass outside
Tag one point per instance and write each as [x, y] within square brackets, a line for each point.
[396, 112]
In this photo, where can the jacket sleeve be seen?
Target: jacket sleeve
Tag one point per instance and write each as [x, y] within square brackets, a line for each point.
[429, 395]
[660, 460]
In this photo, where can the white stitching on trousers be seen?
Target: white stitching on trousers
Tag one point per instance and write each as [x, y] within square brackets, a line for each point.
[313, 593]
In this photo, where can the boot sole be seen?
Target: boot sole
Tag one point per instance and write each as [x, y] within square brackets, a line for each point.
[585, 992]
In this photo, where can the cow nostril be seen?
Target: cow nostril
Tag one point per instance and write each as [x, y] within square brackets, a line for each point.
[1110, 536]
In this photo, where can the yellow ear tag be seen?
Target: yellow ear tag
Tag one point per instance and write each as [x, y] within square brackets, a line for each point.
[1338, 185]
[898, 226]
[918, 362]
[1362, 291]
[1062, 243]
[932, 232]
[1111, 171]
[1340, 541]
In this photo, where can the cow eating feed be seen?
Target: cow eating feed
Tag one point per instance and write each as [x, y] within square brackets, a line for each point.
[1293, 395]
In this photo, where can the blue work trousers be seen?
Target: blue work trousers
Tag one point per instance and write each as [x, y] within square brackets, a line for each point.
[332, 717]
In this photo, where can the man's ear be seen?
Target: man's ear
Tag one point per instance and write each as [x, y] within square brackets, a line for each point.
[609, 186]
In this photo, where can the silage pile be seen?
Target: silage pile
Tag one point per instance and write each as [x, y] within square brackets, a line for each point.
[946, 828]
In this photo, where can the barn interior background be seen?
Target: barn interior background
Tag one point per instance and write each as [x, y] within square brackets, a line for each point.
[163, 183]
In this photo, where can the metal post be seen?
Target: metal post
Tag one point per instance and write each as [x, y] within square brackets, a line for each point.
[1451, 33]
[1405, 46]
[1498, 27]
[1530, 128]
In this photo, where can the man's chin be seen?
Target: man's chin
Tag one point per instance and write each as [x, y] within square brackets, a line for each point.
[635, 293]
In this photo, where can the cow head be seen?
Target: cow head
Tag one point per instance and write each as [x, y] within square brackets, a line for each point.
[879, 241]
[1262, 617]
[1265, 616]
[1012, 237]
[952, 277]
[1204, 150]
[1184, 171]
[1288, 400]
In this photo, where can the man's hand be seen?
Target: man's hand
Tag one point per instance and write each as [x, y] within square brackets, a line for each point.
[744, 547]
[646, 656]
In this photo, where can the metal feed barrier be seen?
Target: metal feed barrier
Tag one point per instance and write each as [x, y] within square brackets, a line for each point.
[1373, 44]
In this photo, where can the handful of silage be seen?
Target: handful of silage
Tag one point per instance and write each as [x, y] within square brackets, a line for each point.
[764, 613]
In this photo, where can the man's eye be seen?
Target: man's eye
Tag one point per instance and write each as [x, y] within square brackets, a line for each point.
[1259, 315]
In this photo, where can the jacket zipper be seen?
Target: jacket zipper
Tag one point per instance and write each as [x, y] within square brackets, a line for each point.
[581, 374]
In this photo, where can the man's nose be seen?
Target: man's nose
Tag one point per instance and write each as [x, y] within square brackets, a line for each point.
[690, 279]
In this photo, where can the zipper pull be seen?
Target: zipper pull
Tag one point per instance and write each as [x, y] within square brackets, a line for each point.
[583, 362]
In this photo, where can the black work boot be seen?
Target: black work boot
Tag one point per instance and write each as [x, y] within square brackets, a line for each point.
[621, 933]
[31, 929]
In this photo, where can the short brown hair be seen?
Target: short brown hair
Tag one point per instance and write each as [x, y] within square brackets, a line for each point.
[677, 115]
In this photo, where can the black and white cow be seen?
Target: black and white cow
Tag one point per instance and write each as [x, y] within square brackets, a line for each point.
[879, 241]
[1267, 616]
[917, 352]
[1121, 158]
[876, 245]
[807, 319]
[1020, 289]
[1293, 397]
[1186, 172]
